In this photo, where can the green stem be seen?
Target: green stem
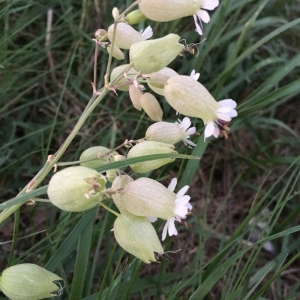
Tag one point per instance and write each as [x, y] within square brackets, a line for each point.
[109, 209]
[53, 159]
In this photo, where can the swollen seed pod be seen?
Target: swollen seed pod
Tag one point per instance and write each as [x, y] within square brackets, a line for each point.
[125, 35]
[137, 236]
[148, 148]
[30, 282]
[153, 55]
[151, 106]
[76, 188]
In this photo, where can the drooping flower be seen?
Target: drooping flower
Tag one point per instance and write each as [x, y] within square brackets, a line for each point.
[30, 282]
[168, 10]
[171, 133]
[153, 55]
[126, 36]
[137, 236]
[76, 188]
[147, 197]
[191, 98]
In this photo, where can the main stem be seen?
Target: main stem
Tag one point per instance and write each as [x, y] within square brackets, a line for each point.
[53, 159]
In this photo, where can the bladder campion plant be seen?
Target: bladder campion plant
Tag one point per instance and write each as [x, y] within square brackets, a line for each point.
[139, 201]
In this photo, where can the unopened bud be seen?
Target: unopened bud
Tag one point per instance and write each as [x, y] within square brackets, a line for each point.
[30, 282]
[153, 55]
[148, 148]
[76, 188]
[116, 53]
[125, 35]
[135, 95]
[151, 106]
[115, 13]
[101, 34]
[135, 17]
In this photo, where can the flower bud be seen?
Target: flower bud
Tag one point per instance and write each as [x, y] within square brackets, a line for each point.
[101, 34]
[153, 55]
[135, 94]
[76, 188]
[118, 184]
[151, 107]
[125, 35]
[115, 13]
[97, 153]
[137, 236]
[190, 98]
[135, 17]
[130, 76]
[168, 10]
[148, 148]
[116, 53]
[147, 197]
[30, 282]
[156, 81]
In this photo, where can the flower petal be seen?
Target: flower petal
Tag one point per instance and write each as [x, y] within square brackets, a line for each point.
[210, 4]
[172, 185]
[164, 233]
[182, 191]
[209, 129]
[171, 227]
[147, 33]
[232, 113]
[190, 131]
[197, 21]
[224, 110]
[223, 117]
[203, 15]
[227, 102]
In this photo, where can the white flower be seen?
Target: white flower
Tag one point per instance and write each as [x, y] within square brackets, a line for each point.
[202, 15]
[184, 125]
[182, 208]
[195, 75]
[147, 33]
[224, 114]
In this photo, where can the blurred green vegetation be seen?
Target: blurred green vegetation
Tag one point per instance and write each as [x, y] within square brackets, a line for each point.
[251, 54]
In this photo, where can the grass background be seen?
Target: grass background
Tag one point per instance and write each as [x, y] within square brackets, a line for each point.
[251, 55]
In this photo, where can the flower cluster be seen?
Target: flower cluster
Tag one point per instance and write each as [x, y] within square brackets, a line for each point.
[140, 201]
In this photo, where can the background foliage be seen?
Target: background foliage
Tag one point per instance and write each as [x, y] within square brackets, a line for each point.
[251, 55]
